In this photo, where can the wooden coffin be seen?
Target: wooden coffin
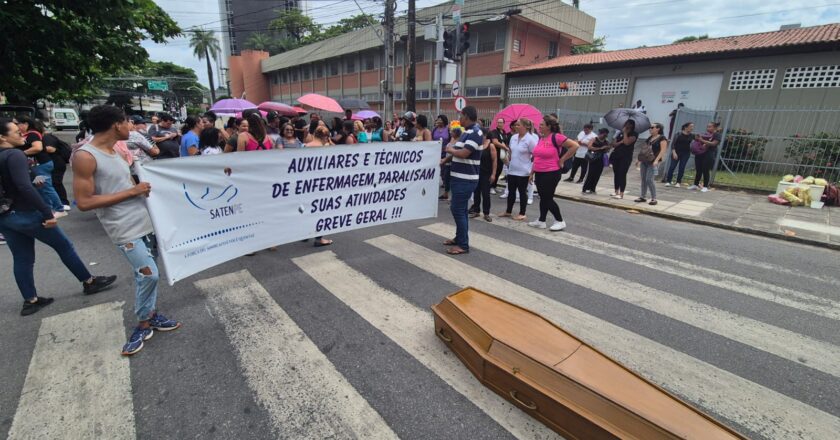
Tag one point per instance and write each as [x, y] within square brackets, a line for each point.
[561, 381]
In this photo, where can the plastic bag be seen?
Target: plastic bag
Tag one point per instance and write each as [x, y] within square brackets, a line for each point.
[821, 182]
[787, 178]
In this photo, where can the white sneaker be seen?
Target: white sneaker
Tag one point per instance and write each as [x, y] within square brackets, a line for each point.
[59, 214]
[704, 190]
[530, 201]
[503, 196]
[67, 207]
[493, 191]
[668, 184]
[537, 224]
[692, 187]
[558, 226]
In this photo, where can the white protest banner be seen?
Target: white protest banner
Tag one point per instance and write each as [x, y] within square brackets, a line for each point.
[210, 209]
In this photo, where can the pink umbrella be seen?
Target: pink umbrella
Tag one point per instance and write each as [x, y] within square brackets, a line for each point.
[517, 111]
[279, 107]
[232, 105]
[365, 114]
[300, 110]
[321, 102]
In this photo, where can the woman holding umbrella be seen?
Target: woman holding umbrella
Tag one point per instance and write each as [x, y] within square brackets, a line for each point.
[622, 156]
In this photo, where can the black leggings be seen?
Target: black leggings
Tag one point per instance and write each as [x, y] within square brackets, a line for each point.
[593, 175]
[60, 167]
[583, 164]
[546, 185]
[702, 165]
[481, 196]
[517, 184]
[621, 165]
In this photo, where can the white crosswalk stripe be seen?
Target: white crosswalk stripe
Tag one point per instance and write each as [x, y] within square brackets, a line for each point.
[305, 396]
[78, 386]
[755, 407]
[411, 328]
[783, 343]
[766, 291]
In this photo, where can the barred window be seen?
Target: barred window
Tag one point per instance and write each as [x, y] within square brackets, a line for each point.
[615, 86]
[760, 79]
[811, 77]
[550, 90]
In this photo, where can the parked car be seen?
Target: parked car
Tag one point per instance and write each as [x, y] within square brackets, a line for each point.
[65, 118]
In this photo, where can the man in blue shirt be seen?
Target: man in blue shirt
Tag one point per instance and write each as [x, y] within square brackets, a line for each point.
[466, 159]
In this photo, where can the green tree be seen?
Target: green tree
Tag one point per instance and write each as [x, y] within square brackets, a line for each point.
[346, 25]
[692, 38]
[59, 49]
[206, 47]
[294, 24]
[258, 41]
[597, 45]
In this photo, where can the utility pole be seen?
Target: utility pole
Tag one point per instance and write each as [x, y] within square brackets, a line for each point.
[438, 61]
[388, 90]
[410, 99]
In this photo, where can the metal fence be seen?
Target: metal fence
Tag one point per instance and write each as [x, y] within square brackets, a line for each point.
[759, 146]
[571, 121]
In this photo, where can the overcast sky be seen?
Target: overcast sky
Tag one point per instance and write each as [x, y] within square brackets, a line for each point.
[625, 23]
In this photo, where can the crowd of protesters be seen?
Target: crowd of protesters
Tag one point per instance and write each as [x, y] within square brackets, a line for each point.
[528, 155]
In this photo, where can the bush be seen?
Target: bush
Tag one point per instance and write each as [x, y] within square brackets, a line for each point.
[741, 148]
[816, 155]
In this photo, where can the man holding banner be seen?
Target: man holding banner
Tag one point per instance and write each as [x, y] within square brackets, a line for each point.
[102, 181]
[466, 158]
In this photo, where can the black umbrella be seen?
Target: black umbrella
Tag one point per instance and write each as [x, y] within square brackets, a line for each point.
[352, 103]
[617, 117]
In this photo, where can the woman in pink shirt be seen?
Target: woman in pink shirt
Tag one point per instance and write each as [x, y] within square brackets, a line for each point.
[546, 171]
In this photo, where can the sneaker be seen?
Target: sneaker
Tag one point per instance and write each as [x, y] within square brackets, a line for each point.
[677, 185]
[558, 226]
[668, 184]
[503, 196]
[537, 224]
[530, 201]
[67, 207]
[692, 187]
[488, 218]
[163, 324]
[493, 191]
[98, 284]
[135, 341]
[704, 190]
[59, 214]
[30, 307]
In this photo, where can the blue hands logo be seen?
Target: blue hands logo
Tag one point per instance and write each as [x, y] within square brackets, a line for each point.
[210, 201]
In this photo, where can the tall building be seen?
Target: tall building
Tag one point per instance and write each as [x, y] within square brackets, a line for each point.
[242, 18]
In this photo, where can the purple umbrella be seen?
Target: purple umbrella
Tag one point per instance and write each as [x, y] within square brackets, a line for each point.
[365, 114]
[232, 105]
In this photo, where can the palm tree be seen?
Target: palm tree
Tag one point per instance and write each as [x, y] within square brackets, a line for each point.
[206, 47]
[258, 41]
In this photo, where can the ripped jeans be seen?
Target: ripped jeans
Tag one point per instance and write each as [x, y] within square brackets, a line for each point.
[141, 254]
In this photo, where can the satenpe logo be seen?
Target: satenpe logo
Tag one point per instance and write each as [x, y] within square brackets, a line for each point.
[218, 203]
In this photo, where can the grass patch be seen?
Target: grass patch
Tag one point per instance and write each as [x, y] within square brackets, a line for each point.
[743, 180]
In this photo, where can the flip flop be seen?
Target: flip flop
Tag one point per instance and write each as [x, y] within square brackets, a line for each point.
[321, 244]
[456, 251]
[449, 242]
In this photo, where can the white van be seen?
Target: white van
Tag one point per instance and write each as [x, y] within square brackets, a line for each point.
[65, 118]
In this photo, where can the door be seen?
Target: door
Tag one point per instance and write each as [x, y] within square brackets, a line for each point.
[661, 94]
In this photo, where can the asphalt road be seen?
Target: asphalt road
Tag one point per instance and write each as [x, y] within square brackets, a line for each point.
[337, 342]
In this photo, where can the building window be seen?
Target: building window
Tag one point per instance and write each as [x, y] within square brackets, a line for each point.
[370, 62]
[554, 89]
[495, 91]
[516, 44]
[350, 64]
[481, 92]
[398, 95]
[811, 77]
[294, 73]
[752, 79]
[501, 35]
[615, 86]
[318, 70]
[428, 52]
[284, 77]
[306, 72]
[334, 68]
[552, 49]
[423, 94]
[400, 56]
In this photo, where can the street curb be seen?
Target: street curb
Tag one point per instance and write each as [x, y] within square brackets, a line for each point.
[704, 222]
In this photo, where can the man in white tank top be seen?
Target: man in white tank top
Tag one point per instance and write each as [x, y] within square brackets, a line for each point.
[102, 182]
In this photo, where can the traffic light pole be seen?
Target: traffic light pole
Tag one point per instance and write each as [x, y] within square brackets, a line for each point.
[439, 61]
[388, 90]
[410, 98]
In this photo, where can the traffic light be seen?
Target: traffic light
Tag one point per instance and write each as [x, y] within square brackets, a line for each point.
[449, 44]
[465, 39]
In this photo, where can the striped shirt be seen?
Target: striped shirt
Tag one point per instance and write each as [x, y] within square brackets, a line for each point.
[467, 168]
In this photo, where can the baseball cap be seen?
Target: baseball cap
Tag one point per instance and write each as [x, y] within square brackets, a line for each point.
[137, 119]
[411, 116]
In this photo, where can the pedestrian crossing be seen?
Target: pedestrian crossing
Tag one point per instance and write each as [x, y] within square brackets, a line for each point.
[305, 395]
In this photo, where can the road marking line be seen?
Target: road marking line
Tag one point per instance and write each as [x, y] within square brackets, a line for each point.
[413, 329]
[78, 385]
[810, 226]
[305, 396]
[769, 292]
[753, 406]
[784, 343]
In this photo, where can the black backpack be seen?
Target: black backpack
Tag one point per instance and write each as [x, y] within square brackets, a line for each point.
[5, 202]
[61, 147]
[567, 165]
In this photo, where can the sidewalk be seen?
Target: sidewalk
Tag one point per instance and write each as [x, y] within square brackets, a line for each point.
[740, 211]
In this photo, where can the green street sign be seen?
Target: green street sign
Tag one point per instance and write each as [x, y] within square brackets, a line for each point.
[163, 86]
